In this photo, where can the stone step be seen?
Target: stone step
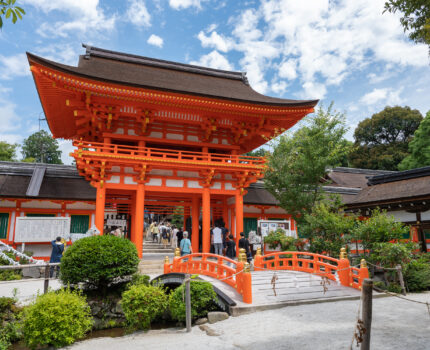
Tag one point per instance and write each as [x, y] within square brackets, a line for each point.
[151, 262]
[151, 251]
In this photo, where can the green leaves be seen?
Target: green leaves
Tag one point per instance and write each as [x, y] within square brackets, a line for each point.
[299, 161]
[41, 147]
[8, 9]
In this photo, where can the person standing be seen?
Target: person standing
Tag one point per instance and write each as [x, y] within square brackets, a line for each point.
[56, 254]
[230, 251]
[179, 236]
[174, 239]
[217, 239]
[244, 243]
[185, 245]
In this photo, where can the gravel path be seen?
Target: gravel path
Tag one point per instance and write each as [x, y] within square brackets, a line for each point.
[397, 325]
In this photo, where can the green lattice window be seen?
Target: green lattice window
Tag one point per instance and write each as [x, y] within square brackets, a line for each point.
[79, 223]
[249, 224]
[4, 220]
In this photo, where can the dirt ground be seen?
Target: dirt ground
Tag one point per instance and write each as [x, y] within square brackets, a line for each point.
[397, 325]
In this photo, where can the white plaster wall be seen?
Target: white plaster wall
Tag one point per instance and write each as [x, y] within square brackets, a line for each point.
[119, 131]
[275, 210]
[425, 215]
[131, 132]
[114, 180]
[251, 209]
[175, 183]
[41, 205]
[174, 136]
[161, 172]
[188, 173]
[81, 206]
[216, 186]
[7, 204]
[128, 180]
[37, 249]
[116, 169]
[129, 170]
[194, 184]
[154, 182]
[192, 138]
[156, 134]
[229, 186]
[402, 215]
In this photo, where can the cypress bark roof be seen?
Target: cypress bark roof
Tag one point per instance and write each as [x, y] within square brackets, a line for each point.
[138, 71]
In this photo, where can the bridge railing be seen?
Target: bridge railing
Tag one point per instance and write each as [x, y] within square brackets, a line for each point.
[234, 273]
[318, 264]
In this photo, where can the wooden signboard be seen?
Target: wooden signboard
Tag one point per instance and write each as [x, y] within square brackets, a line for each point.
[41, 229]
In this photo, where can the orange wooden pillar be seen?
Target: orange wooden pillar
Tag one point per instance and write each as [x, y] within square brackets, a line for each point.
[239, 214]
[206, 214]
[195, 217]
[225, 212]
[137, 236]
[100, 207]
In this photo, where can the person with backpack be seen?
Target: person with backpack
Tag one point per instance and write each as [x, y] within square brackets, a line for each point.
[56, 255]
[244, 243]
[230, 251]
[165, 236]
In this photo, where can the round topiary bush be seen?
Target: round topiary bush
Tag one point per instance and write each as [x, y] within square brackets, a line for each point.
[98, 261]
[203, 299]
[142, 304]
[57, 319]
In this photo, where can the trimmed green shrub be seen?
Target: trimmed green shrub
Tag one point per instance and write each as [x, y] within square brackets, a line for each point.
[137, 279]
[394, 288]
[417, 275]
[56, 318]
[10, 325]
[98, 261]
[142, 304]
[202, 300]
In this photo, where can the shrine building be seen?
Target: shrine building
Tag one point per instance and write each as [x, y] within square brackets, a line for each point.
[155, 136]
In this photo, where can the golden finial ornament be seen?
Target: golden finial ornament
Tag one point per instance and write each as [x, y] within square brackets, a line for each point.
[363, 263]
[342, 253]
[258, 251]
[166, 260]
[246, 267]
[177, 252]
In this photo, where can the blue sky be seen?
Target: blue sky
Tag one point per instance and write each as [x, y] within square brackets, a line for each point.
[340, 50]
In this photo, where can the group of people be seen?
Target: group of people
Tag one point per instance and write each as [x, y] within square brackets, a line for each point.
[168, 234]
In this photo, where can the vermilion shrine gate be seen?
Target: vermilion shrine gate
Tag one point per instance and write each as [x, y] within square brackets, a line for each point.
[156, 135]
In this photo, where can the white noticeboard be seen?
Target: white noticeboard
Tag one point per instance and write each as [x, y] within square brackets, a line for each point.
[41, 229]
[267, 226]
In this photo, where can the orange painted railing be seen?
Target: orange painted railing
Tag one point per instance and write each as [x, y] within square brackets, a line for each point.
[318, 264]
[234, 273]
[110, 151]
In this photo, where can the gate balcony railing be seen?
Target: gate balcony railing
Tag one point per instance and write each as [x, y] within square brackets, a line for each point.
[110, 152]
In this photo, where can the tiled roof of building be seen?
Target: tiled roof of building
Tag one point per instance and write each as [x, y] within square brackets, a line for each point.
[138, 71]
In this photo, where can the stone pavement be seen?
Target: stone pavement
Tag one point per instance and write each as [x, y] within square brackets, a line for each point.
[27, 289]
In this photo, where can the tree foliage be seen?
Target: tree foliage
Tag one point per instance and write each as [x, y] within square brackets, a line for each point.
[381, 142]
[416, 18]
[42, 147]
[8, 10]
[8, 151]
[300, 160]
[419, 147]
[259, 152]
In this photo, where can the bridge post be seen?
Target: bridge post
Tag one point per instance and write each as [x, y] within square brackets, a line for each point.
[344, 268]
[364, 272]
[239, 269]
[166, 265]
[258, 260]
[247, 284]
[175, 267]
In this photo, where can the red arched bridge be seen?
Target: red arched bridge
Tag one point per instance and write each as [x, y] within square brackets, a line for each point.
[237, 274]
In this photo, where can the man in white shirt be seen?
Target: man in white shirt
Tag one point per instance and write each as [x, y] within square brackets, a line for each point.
[217, 239]
[174, 239]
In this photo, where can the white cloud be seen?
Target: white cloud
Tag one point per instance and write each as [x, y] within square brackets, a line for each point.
[214, 40]
[385, 96]
[13, 66]
[279, 87]
[319, 42]
[86, 16]
[60, 52]
[66, 148]
[138, 14]
[155, 40]
[214, 60]
[183, 4]
[9, 120]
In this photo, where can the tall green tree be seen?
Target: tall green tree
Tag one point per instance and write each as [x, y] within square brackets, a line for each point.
[415, 19]
[381, 142]
[8, 151]
[8, 9]
[42, 147]
[419, 147]
[300, 160]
